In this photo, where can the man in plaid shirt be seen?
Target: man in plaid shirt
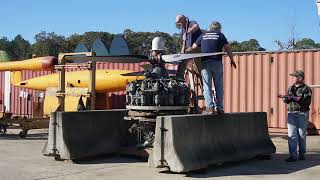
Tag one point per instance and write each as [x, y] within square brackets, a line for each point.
[298, 100]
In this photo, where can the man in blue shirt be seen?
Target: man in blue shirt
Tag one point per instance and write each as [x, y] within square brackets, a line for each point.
[213, 41]
[190, 31]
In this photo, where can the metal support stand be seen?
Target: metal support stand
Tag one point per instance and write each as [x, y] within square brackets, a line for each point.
[91, 66]
[61, 87]
[196, 84]
[92, 85]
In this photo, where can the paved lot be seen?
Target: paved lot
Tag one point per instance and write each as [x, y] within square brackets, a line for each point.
[22, 159]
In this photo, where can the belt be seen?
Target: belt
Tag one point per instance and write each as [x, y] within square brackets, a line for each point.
[297, 112]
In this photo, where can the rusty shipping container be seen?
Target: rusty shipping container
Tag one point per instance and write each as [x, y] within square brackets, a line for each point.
[21, 99]
[261, 76]
[252, 87]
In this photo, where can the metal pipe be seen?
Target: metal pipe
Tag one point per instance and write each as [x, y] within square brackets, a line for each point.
[92, 85]
[314, 86]
[20, 104]
[162, 132]
[63, 57]
[61, 86]
[31, 101]
[54, 124]
[28, 104]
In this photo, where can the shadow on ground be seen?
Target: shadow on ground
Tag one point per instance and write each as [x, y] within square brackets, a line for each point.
[275, 166]
[33, 136]
[109, 158]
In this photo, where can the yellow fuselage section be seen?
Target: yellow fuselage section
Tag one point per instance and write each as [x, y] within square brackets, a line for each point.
[106, 80]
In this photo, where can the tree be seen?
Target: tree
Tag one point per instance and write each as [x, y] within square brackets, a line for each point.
[21, 48]
[176, 42]
[48, 44]
[17, 49]
[140, 42]
[5, 45]
[89, 37]
[127, 32]
[251, 45]
[306, 43]
[4, 56]
[291, 43]
[72, 42]
[236, 46]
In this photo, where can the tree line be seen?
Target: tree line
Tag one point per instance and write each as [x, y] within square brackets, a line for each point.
[50, 43]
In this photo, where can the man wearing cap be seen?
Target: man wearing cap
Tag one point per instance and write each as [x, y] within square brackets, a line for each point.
[213, 41]
[298, 100]
[190, 31]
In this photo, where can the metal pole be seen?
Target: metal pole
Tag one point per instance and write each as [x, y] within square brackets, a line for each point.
[314, 86]
[27, 114]
[92, 85]
[3, 104]
[62, 85]
[31, 106]
[20, 105]
[54, 124]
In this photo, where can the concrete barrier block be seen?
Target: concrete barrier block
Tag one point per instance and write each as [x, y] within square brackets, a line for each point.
[190, 142]
[75, 135]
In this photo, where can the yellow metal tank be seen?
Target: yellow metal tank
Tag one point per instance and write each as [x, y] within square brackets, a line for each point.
[35, 64]
[106, 80]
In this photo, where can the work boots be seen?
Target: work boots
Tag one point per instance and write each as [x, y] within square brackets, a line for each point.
[212, 111]
[209, 111]
[220, 111]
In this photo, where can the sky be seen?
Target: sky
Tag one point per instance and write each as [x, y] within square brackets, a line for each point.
[264, 20]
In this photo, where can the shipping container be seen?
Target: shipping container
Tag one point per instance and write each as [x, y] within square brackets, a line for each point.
[261, 76]
[252, 87]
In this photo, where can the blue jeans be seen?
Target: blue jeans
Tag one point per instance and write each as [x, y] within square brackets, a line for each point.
[297, 130]
[212, 69]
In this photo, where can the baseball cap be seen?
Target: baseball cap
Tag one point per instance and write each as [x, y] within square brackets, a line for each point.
[297, 73]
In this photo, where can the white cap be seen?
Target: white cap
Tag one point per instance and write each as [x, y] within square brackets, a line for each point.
[158, 44]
